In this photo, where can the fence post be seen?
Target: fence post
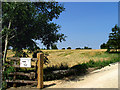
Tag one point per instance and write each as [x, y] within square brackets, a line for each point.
[14, 77]
[40, 58]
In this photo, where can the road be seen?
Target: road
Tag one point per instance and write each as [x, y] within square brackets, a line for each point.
[106, 77]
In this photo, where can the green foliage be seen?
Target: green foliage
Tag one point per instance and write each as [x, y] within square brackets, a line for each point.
[114, 38]
[63, 48]
[91, 63]
[104, 46]
[21, 54]
[100, 64]
[69, 48]
[31, 21]
[78, 48]
[4, 85]
[8, 69]
[108, 50]
[85, 47]
[54, 46]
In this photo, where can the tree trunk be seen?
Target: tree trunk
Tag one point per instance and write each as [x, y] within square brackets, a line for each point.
[116, 50]
[48, 47]
[5, 50]
[6, 44]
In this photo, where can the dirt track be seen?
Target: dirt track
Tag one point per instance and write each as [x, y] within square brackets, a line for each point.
[106, 77]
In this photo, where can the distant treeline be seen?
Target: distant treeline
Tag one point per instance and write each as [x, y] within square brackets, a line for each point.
[55, 47]
[77, 48]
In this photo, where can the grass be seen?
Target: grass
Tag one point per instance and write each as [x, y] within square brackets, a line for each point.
[72, 57]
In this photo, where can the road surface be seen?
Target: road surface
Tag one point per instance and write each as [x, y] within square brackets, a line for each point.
[106, 77]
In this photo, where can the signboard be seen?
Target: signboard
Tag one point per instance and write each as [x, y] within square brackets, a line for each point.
[25, 62]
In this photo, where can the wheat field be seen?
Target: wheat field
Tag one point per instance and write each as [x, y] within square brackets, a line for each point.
[72, 57]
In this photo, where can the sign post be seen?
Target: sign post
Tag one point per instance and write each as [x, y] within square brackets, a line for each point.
[40, 58]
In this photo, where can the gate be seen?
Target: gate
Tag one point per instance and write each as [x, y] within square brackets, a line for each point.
[38, 67]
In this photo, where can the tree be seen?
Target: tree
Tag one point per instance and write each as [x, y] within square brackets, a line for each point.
[114, 38]
[25, 22]
[85, 47]
[54, 46]
[103, 46]
[78, 48]
[69, 48]
[63, 48]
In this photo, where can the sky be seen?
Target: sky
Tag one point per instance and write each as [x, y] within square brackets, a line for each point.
[87, 23]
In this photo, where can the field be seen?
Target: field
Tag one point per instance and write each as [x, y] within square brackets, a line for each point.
[72, 57]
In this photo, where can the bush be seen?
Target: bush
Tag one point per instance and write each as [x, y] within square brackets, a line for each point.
[69, 48]
[21, 54]
[85, 47]
[81, 68]
[7, 70]
[91, 63]
[78, 48]
[63, 48]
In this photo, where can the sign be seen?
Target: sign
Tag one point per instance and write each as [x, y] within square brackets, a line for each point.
[25, 62]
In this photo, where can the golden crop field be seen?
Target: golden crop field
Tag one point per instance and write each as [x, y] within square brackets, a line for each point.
[72, 57]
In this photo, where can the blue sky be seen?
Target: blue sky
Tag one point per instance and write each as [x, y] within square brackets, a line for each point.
[87, 23]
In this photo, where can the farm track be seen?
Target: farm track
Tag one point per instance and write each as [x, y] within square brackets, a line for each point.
[106, 77]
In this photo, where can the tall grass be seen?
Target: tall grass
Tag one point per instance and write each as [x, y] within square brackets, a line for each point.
[99, 64]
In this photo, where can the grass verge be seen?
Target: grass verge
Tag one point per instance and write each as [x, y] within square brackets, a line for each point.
[77, 69]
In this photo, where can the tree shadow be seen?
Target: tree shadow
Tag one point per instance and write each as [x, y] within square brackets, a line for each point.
[64, 72]
[45, 86]
[118, 52]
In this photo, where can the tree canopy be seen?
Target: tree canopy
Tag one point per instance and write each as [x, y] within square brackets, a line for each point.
[114, 38]
[103, 46]
[30, 21]
[54, 46]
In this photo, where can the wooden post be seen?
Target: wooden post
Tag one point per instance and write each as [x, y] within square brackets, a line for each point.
[40, 58]
[14, 77]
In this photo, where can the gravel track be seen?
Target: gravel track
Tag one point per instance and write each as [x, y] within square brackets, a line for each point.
[106, 77]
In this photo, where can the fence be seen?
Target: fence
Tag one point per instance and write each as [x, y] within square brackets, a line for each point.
[39, 68]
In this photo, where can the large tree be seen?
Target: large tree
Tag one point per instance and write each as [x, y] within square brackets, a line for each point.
[25, 22]
[103, 46]
[114, 38]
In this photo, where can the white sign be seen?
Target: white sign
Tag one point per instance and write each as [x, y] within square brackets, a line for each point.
[25, 62]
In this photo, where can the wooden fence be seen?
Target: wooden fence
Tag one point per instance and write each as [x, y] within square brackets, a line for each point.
[39, 68]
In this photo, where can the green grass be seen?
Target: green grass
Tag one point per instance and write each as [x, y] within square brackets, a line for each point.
[100, 64]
